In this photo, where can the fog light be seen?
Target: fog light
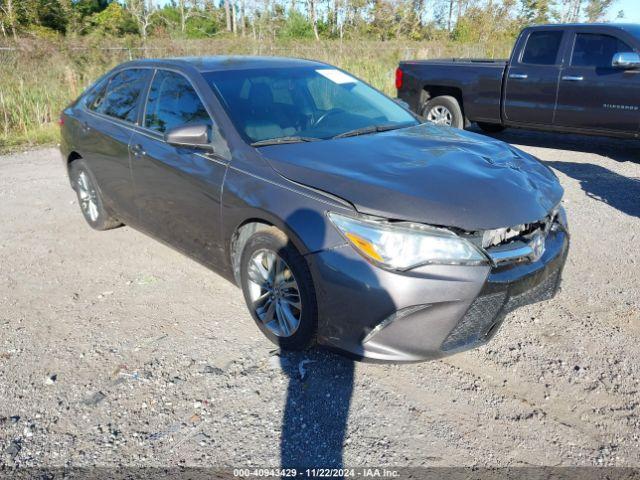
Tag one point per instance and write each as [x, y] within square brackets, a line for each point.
[404, 312]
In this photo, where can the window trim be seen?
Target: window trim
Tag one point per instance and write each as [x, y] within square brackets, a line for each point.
[139, 128]
[110, 77]
[154, 134]
[142, 124]
[558, 60]
[602, 34]
[97, 88]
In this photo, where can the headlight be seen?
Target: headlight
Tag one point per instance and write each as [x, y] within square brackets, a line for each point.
[402, 246]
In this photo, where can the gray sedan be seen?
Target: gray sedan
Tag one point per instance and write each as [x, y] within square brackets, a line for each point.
[343, 218]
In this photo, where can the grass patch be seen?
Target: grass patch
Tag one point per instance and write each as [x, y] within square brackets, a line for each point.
[37, 136]
[38, 79]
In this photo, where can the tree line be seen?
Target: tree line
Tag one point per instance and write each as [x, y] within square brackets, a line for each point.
[462, 20]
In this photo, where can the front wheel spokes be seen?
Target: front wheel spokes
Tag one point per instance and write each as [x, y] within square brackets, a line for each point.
[262, 300]
[268, 311]
[258, 273]
[287, 319]
[283, 322]
[292, 299]
[274, 295]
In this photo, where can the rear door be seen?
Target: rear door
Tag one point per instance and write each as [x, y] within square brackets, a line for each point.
[178, 189]
[107, 122]
[593, 95]
[532, 78]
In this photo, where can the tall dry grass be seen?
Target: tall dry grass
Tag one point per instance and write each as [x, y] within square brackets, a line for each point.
[38, 78]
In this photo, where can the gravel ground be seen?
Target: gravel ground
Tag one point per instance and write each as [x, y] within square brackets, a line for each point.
[116, 350]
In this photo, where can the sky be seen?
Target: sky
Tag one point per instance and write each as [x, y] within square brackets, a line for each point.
[631, 10]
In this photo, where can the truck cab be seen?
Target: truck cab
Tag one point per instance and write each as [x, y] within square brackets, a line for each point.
[572, 78]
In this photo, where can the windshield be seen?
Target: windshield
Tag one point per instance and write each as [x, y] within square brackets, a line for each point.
[304, 103]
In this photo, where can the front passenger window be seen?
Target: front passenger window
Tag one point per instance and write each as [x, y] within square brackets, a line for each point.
[595, 50]
[173, 102]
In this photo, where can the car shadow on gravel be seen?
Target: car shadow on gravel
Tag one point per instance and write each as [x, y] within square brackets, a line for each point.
[320, 388]
[602, 184]
[315, 418]
[620, 150]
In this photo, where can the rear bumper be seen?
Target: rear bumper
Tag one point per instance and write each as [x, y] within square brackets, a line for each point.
[378, 315]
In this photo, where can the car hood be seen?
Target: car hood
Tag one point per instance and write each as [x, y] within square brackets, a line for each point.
[427, 174]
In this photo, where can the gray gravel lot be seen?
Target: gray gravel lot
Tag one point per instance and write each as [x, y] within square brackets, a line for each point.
[116, 350]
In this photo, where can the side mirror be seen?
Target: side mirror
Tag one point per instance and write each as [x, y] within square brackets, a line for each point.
[402, 103]
[626, 60]
[196, 136]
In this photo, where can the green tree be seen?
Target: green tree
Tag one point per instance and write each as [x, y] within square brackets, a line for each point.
[44, 15]
[9, 18]
[535, 11]
[113, 20]
[597, 9]
[296, 26]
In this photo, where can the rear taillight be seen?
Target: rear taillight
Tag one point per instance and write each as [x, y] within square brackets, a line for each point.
[61, 120]
[399, 75]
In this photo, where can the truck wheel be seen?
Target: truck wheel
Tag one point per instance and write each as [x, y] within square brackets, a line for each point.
[490, 127]
[444, 110]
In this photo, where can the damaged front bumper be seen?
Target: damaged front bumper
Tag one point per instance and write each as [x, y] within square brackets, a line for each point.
[429, 312]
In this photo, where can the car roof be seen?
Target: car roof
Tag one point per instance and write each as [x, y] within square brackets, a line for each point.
[226, 62]
[619, 26]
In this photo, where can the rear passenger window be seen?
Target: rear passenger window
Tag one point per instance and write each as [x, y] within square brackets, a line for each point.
[96, 92]
[173, 102]
[542, 47]
[594, 50]
[120, 100]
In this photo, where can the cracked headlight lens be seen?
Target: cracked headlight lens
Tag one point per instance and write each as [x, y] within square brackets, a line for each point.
[403, 246]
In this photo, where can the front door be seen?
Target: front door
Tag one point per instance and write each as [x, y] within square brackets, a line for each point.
[532, 79]
[593, 94]
[178, 189]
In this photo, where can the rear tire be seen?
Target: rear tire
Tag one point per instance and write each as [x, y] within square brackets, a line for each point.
[86, 187]
[280, 296]
[490, 127]
[444, 110]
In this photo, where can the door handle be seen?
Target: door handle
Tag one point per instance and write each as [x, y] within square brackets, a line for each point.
[137, 150]
[572, 78]
[518, 76]
[85, 127]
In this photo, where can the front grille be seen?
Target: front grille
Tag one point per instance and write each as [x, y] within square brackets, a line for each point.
[545, 290]
[487, 311]
[476, 323]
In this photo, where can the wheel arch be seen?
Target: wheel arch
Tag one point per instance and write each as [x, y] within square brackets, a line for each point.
[246, 228]
[432, 91]
[72, 157]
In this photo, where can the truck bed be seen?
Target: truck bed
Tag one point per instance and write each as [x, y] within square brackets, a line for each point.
[468, 61]
[476, 83]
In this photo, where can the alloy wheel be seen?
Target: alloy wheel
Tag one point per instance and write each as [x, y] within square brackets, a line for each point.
[440, 116]
[88, 196]
[274, 293]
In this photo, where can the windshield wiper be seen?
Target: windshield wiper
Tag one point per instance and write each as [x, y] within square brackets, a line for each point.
[279, 140]
[370, 129]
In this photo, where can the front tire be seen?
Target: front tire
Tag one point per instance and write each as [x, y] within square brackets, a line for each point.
[444, 110]
[86, 187]
[278, 290]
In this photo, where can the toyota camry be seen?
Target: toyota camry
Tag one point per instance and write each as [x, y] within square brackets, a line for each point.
[345, 220]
